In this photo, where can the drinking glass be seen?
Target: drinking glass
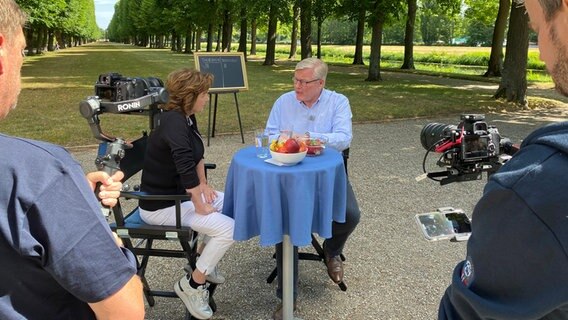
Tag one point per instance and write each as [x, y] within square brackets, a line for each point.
[261, 140]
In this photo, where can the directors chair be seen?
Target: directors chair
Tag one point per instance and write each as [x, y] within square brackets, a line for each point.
[319, 254]
[140, 237]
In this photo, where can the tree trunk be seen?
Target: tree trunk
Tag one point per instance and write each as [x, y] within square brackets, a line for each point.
[210, 37]
[50, 41]
[513, 84]
[294, 36]
[408, 62]
[243, 36]
[496, 58]
[218, 46]
[174, 41]
[320, 22]
[358, 57]
[197, 40]
[188, 40]
[375, 58]
[271, 37]
[227, 32]
[253, 37]
[41, 39]
[306, 28]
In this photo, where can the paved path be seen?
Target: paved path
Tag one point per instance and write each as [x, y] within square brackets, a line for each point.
[391, 271]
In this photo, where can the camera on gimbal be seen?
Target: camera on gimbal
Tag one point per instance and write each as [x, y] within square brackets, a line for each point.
[115, 88]
[117, 94]
[467, 150]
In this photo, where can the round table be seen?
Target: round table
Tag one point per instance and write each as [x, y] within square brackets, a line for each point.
[285, 203]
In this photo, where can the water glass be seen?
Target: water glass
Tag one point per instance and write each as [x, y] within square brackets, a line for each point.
[261, 140]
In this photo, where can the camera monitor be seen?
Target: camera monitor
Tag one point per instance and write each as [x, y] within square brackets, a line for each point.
[475, 147]
[444, 224]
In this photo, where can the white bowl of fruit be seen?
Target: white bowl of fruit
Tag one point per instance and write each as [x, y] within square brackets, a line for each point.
[288, 152]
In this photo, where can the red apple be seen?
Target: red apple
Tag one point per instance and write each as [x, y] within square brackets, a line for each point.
[291, 146]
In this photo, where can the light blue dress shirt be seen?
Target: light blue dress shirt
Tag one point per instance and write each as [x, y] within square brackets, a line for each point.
[329, 117]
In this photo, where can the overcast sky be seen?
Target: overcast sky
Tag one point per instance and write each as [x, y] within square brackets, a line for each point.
[104, 9]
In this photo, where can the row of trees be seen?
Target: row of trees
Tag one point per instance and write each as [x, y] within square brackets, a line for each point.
[59, 23]
[182, 24]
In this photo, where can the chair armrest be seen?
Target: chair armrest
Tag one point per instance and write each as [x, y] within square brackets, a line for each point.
[139, 195]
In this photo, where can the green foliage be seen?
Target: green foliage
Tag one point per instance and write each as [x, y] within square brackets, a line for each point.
[72, 18]
[437, 24]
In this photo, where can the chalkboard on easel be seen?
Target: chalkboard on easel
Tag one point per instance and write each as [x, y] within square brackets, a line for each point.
[228, 69]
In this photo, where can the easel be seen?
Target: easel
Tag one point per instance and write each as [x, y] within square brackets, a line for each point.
[211, 133]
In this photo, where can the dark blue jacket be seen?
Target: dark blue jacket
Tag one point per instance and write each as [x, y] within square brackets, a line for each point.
[517, 263]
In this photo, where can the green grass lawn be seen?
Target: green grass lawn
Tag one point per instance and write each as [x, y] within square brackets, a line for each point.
[55, 83]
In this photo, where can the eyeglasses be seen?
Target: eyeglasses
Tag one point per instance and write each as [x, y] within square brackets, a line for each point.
[303, 82]
[24, 53]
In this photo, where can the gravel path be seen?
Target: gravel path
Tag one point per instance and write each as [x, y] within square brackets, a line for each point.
[391, 271]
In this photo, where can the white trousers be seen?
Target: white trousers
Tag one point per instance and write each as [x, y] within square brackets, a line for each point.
[217, 228]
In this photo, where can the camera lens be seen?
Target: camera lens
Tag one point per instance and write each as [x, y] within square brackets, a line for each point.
[434, 132]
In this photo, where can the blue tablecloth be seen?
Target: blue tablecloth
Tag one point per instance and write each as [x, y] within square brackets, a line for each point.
[270, 201]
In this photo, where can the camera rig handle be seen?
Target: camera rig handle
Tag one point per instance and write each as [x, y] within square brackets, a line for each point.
[108, 160]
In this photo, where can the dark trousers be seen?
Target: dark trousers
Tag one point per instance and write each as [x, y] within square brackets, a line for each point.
[332, 246]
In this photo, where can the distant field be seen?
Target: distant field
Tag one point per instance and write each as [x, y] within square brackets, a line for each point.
[469, 61]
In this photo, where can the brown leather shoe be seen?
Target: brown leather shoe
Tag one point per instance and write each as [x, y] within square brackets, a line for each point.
[334, 268]
[279, 313]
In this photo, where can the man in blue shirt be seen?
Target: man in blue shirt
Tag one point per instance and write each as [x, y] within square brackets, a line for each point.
[317, 112]
[59, 257]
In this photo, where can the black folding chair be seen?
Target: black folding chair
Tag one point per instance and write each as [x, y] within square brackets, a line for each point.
[140, 237]
[319, 255]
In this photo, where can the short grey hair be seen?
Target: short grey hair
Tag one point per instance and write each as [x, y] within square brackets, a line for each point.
[12, 18]
[320, 67]
[549, 7]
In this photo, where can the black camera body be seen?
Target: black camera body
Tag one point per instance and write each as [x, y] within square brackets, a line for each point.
[468, 149]
[479, 141]
[114, 87]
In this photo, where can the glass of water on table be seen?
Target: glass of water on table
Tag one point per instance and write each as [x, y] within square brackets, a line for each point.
[261, 140]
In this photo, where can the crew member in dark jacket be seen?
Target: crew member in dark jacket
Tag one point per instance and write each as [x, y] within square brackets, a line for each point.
[517, 256]
[174, 164]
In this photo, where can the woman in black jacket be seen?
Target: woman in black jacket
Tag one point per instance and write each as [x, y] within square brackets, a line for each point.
[174, 164]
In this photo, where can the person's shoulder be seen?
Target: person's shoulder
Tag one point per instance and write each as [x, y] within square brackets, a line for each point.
[20, 149]
[33, 165]
[172, 118]
[335, 95]
[171, 114]
[288, 95]
[554, 135]
[285, 99]
[542, 156]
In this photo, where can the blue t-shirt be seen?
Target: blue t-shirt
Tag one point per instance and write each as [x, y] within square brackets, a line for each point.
[57, 251]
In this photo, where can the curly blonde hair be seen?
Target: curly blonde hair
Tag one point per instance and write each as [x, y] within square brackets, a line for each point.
[184, 86]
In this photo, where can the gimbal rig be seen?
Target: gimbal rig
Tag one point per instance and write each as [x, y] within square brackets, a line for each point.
[112, 149]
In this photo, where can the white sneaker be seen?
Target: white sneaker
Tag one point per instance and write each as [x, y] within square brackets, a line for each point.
[214, 277]
[196, 300]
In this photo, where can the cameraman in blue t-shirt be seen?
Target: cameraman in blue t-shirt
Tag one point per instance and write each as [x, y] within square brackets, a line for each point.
[516, 263]
[59, 257]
